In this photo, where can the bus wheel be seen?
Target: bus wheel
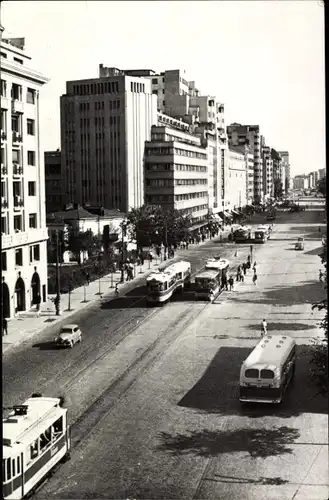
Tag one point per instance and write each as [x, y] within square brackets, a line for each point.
[67, 457]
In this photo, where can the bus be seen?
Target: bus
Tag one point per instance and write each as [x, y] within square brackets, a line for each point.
[268, 370]
[242, 234]
[207, 283]
[222, 265]
[262, 233]
[35, 439]
[162, 284]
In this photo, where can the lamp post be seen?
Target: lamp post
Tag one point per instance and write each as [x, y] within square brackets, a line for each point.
[58, 287]
[123, 233]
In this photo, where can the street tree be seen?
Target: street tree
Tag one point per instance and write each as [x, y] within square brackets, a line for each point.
[81, 241]
[322, 186]
[319, 350]
[278, 189]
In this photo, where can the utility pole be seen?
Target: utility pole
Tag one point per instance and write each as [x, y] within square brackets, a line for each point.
[58, 287]
[123, 233]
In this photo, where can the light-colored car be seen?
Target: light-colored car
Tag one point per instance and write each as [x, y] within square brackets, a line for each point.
[68, 336]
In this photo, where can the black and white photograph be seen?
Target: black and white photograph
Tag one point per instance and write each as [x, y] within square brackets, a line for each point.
[164, 250]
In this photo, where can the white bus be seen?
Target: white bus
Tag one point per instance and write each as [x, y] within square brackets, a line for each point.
[162, 284]
[221, 265]
[267, 371]
[35, 439]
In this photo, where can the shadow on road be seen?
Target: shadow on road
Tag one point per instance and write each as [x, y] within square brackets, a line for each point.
[270, 481]
[218, 389]
[208, 443]
[124, 302]
[317, 251]
[273, 326]
[287, 296]
[46, 346]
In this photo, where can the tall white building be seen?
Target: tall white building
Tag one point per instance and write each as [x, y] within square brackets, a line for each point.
[23, 223]
[287, 171]
[105, 122]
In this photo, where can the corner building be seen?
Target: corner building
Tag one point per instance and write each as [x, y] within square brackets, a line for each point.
[176, 171]
[23, 218]
[105, 122]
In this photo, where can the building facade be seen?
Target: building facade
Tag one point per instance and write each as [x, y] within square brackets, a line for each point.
[322, 173]
[176, 172]
[236, 180]
[287, 171]
[239, 135]
[23, 223]
[104, 124]
[301, 182]
[53, 181]
[268, 187]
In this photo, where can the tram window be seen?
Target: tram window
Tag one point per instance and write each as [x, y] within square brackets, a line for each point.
[8, 469]
[14, 474]
[34, 449]
[58, 426]
[3, 471]
[45, 439]
[18, 466]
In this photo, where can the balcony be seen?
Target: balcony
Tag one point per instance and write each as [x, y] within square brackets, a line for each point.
[17, 170]
[3, 134]
[17, 106]
[18, 203]
[4, 102]
[4, 169]
[17, 137]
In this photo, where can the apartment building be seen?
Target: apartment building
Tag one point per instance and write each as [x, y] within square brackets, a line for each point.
[176, 171]
[287, 171]
[301, 182]
[23, 223]
[53, 181]
[322, 173]
[236, 180]
[239, 135]
[268, 187]
[105, 122]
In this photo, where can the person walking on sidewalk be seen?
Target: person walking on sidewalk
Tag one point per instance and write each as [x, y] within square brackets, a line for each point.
[244, 268]
[254, 279]
[231, 283]
[264, 328]
[4, 326]
[224, 282]
[116, 291]
[38, 302]
[320, 275]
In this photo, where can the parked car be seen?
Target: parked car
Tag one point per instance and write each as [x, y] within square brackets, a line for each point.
[68, 336]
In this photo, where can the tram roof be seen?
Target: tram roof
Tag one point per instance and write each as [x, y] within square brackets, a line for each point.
[271, 350]
[217, 264]
[208, 273]
[161, 275]
[15, 427]
[179, 266]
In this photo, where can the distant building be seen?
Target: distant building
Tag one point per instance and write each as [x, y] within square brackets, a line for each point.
[105, 122]
[322, 173]
[53, 181]
[301, 182]
[236, 182]
[287, 171]
[23, 222]
[268, 186]
[239, 135]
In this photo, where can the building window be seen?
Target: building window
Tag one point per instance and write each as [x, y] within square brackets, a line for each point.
[16, 92]
[34, 253]
[3, 88]
[31, 158]
[18, 223]
[4, 261]
[30, 96]
[19, 257]
[15, 155]
[30, 126]
[3, 225]
[3, 120]
[32, 188]
[19, 61]
[15, 123]
[154, 81]
[33, 221]
[155, 92]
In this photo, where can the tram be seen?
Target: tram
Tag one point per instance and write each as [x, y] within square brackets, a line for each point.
[163, 284]
[207, 283]
[222, 265]
[36, 437]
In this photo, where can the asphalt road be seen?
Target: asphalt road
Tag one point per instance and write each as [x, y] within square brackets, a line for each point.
[152, 392]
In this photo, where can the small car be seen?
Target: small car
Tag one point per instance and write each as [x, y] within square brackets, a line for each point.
[68, 336]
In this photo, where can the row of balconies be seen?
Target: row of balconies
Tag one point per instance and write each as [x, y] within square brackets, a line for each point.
[18, 202]
[17, 169]
[16, 137]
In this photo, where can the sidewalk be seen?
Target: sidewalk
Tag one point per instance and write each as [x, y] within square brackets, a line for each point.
[29, 323]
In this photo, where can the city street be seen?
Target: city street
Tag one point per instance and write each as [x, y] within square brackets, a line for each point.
[152, 392]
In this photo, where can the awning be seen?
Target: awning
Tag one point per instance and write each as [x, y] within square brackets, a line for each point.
[227, 214]
[235, 212]
[217, 217]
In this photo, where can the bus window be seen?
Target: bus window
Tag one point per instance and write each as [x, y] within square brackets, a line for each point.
[18, 465]
[34, 449]
[266, 374]
[3, 470]
[8, 469]
[58, 427]
[251, 373]
[14, 474]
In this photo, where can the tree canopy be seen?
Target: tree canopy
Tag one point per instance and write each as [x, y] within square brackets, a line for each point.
[322, 186]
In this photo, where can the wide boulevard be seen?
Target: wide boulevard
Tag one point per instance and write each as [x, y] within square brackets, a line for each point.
[153, 392]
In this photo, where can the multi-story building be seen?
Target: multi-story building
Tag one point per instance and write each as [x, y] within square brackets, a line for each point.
[53, 181]
[322, 173]
[236, 180]
[268, 187]
[301, 182]
[287, 172]
[176, 171]
[105, 122]
[239, 135]
[23, 223]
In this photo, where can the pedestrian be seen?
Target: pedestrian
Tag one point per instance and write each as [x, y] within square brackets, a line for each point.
[239, 269]
[319, 229]
[244, 268]
[248, 265]
[231, 282]
[87, 278]
[150, 257]
[254, 279]
[211, 295]
[142, 258]
[320, 275]
[4, 326]
[116, 291]
[224, 283]
[241, 277]
[264, 328]
[38, 301]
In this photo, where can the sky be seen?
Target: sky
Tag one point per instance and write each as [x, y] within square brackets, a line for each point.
[264, 59]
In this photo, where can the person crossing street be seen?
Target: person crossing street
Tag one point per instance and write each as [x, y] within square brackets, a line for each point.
[264, 328]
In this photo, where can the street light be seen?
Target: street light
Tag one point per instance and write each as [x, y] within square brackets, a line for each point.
[123, 233]
[58, 286]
